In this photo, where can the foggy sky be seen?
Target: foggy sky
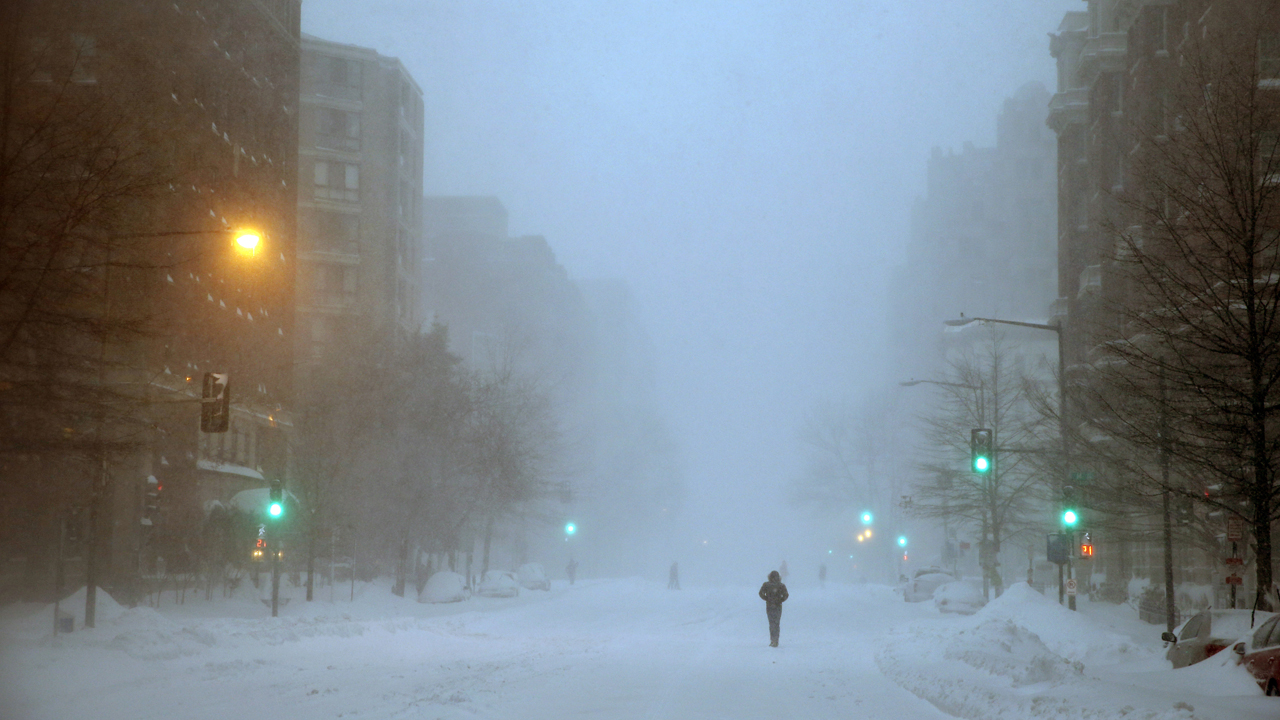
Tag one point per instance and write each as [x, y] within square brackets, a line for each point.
[747, 167]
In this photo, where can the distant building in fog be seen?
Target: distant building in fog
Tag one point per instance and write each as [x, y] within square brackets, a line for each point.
[983, 237]
[359, 203]
[499, 295]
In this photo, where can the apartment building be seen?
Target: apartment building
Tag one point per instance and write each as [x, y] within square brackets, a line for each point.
[360, 202]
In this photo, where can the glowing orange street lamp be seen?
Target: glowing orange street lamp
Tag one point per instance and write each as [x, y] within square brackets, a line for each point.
[248, 241]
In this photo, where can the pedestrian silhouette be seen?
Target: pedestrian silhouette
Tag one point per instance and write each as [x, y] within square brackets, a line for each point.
[773, 593]
[822, 575]
[673, 577]
[572, 569]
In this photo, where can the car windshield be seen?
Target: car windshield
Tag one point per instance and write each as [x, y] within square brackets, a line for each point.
[525, 359]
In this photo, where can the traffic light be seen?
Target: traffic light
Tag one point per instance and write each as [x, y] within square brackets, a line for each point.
[1070, 517]
[1086, 544]
[902, 541]
[151, 501]
[215, 403]
[980, 446]
[867, 517]
[1057, 548]
[570, 528]
[275, 508]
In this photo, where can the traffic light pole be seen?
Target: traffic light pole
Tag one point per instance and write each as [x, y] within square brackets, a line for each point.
[275, 571]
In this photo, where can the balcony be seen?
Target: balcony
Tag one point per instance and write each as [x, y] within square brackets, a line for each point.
[1104, 52]
[1068, 107]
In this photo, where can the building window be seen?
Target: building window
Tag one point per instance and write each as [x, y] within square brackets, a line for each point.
[335, 284]
[340, 77]
[330, 231]
[338, 129]
[337, 180]
[1269, 57]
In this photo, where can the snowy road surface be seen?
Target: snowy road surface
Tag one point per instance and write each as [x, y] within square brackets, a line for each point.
[604, 649]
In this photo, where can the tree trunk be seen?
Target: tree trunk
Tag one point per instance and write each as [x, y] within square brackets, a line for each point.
[398, 588]
[488, 539]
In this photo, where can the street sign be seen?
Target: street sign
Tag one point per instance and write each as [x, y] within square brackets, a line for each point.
[1234, 561]
[1235, 529]
[1235, 580]
[1071, 586]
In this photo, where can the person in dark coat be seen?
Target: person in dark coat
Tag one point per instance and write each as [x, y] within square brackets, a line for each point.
[773, 593]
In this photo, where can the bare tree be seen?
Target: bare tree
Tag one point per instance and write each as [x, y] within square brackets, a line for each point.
[983, 391]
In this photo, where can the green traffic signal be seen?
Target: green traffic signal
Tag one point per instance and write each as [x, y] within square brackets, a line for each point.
[1070, 518]
[902, 541]
[275, 500]
[981, 445]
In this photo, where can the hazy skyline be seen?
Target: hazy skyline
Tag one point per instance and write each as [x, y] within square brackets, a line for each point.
[747, 168]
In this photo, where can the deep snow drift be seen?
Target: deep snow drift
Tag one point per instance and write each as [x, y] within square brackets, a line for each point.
[608, 649]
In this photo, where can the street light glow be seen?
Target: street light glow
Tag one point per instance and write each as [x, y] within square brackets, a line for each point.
[248, 241]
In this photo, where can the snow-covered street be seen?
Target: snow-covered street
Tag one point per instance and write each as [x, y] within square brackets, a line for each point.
[607, 649]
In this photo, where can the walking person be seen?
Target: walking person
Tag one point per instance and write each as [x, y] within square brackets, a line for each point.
[673, 577]
[822, 575]
[773, 593]
[571, 569]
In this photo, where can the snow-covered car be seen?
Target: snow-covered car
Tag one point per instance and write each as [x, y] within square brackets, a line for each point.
[959, 597]
[533, 577]
[1208, 632]
[499, 583]
[445, 587]
[920, 588]
[1259, 652]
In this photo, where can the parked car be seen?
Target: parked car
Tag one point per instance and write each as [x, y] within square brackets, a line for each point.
[532, 577]
[1208, 632]
[445, 587]
[958, 597]
[499, 583]
[1260, 654]
[926, 580]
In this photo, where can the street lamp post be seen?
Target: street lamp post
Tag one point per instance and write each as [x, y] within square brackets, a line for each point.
[245, 241]
[1062, 412]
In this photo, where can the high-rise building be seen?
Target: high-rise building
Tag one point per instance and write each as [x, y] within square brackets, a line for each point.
[359, 206]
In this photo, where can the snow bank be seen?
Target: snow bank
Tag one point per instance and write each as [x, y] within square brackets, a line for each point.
[1021, 656]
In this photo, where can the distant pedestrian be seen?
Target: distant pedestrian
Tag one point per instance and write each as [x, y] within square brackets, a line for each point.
[782, 570]
[572, 569]
[673, 577]
[822, 575]
[773, 593]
